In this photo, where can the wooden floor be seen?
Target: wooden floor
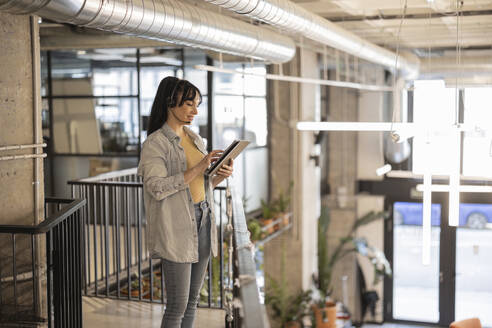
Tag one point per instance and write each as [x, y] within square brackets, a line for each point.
[394, 325]
[108, 313]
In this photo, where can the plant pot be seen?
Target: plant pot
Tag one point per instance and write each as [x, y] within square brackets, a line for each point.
[285, 219]
[277, 221]
[265, 222]
[135, 292]
[292, 324]
[325, 317]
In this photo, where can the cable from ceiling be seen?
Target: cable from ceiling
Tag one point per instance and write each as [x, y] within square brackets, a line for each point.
[458, 61]
[166, 20]
[292, 18]
[396, 98]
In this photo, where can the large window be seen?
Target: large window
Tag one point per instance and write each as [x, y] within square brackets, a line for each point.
[477, 144]
[455, 286]
[240, 113]
[97, 103]
[94, 100]
[434, 104]
[91, 101]
[194, 57]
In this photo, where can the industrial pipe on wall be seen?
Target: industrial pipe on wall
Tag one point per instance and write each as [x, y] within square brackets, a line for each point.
[294, 19]
[167, 20]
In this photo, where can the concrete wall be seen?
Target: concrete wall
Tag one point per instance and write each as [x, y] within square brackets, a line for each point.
[308, 172]
[342, 177]
[282, 109]
[290, 161]
[370, 144]
[353, 156]
[16, 127]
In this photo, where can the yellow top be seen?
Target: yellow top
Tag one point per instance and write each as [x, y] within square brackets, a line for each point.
[193, 157]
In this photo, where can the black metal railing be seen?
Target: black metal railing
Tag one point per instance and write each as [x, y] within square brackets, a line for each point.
[117, 262]
[43, 257]
[116, 259]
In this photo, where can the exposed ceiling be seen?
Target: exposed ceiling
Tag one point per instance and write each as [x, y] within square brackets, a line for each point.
[427, 24]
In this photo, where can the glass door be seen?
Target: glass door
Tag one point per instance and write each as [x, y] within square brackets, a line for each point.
[474, 263]
[415, 286]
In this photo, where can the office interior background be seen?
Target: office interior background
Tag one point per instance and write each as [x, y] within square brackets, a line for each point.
[350, 106]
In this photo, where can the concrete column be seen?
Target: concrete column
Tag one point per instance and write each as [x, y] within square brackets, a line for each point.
[342, 165]
[19, 92]
[290, 161]
[283, 109]
[308, 174]
[353, 156]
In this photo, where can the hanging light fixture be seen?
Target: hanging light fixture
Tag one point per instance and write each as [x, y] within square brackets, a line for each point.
[383, 169]
[454, 184]
[454, 178]
[427, 209]
[462, 188]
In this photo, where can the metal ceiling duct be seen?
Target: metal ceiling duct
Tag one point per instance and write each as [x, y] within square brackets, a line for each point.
[477, 64]
[295, 19]
[167, 20]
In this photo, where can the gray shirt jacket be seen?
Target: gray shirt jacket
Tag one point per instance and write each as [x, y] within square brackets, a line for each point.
[171, 223]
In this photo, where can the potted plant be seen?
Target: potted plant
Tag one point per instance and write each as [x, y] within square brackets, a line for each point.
[287, 310]
[283, 202]
[325, 315]
[268, 212]
[346, 245]
[254, 228]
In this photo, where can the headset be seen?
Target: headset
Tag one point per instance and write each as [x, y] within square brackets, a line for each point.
[172, 103]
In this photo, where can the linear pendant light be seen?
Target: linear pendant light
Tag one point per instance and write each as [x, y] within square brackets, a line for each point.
[426, 221]
[427, 209]
[407, 129]
[354, 126]
[462, 188]
[287, 78]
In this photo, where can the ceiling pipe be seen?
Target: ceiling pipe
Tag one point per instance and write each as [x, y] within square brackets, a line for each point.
[166, 20]
[446, 67]
[292, 18]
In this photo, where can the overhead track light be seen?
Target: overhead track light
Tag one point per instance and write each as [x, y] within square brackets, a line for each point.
[333, 83]
[353, 126]
[462, 188]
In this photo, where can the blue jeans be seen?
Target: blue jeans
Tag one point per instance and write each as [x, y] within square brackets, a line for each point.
[183, 281]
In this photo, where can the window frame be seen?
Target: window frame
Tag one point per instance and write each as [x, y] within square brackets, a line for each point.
[49, 97]
[245, 96]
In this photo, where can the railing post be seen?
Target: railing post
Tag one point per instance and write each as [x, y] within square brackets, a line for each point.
[118, 242]
[14, 272]
[49, 275]
[221, 253]
[105, 214]
[230, 247]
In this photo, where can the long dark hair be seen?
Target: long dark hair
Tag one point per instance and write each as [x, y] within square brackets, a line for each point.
[172, 92]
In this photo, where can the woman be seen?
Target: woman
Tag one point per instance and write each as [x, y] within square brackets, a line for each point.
[178, 197]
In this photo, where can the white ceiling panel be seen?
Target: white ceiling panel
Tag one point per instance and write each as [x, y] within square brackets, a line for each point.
[378, 21]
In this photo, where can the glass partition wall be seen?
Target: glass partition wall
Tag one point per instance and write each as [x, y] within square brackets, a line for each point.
[95, 99]
[240, 113]
[97, 102]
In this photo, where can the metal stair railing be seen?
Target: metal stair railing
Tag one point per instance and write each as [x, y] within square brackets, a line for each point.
[59, 235]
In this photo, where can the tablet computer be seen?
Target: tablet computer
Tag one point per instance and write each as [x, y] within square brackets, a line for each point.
[234, 149]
